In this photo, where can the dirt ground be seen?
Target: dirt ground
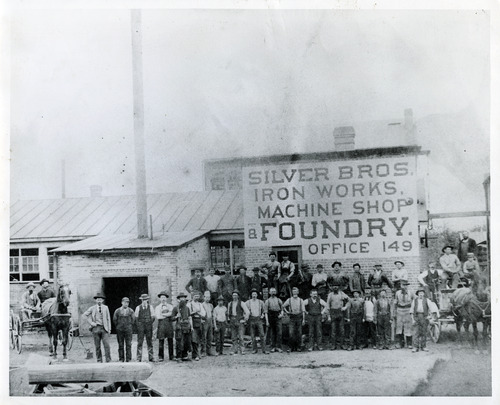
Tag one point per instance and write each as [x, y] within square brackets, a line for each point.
[448, 369]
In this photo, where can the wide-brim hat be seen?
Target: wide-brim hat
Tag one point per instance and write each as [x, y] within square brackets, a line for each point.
[356, 264]
[319, 266]
[377, 265]
[447, 246]
[404, 282]
[163, 293]
[44, 280]
[31, 285]
[399, 261]
[236, 292]
[337, 262]
[256, 269]
[254, 290]
[220, 298]
[241, 266]
[181, 295]
[144, 297]
[272, 254]
[99, 295]
[418, 290]
[359, 292]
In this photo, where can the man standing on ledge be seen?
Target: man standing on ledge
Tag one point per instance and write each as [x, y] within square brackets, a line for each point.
[145, 317]
[100, 325]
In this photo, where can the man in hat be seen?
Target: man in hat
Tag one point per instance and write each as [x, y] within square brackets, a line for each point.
[274, 314]
[399, 274]
[306, 285]
[430, 280]
[100, 325]
[356, 317]
[337, 304]
[238, 315]
[207, 330]
[124, 318]
[466, 245]
[370, 328]
[257, 314]
[46, 292]
[315, 307]
[212, 284]
[145, 316]
[294, 307]
[165, 329]
[273, 269]
[402, 304]
[29, 302]
[337, 277]
[419, 310]
[377, 279]
[183, 328]
[258, 282]
[198, 316]
[319, 282]
[226, 286]
[243, 283]
[451, 266]
[357, 281]
[220, 324]
[285, 273]
[382, 316]
[197, 283]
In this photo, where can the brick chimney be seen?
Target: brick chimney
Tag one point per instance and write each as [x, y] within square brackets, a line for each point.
[344, 138]
[95, 191]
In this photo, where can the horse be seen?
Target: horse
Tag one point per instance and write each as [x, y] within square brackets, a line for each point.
[53, 307]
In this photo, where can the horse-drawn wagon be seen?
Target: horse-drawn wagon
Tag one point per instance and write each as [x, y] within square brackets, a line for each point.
[446, 316]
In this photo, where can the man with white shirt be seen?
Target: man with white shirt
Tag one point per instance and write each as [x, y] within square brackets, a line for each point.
[212, 284]
[198, 315]
[165, 330]
[419, 310]
[294, 307]
[257, 314]
[451, 266]
[315, 307]
[319, 282]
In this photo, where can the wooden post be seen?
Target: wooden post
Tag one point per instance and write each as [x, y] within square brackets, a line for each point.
[231, 257]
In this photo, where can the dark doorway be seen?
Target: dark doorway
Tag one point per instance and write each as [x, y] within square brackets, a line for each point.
[294, 254]
[115, 288]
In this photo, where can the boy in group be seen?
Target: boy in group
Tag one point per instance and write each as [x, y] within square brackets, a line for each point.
[315, 307]
[183, 328]
[370, 326]
[356, 316]
[207, 331]
[257, 314]
[198, 315]
[274, 314]
[294, 306]
[220, 325]
[124, 318]
[419, 310]
[382, 315]
[337, 304]
[165, 329]
[238, 316]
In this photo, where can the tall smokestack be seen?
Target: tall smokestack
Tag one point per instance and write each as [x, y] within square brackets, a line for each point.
[140, 165]
[343, 138]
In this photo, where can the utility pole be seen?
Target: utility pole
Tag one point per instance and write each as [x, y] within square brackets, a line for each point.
[140, 164]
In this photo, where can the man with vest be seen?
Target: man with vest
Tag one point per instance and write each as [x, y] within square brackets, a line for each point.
[257, 314]
[315, 307]
[207, 330]
[451, 266]
[165, 329]
[319, 282]
[356, 317]
[145, 316]
[183, 328]
[238, 315]
[399, 275]
[46, 292]
[357, 281]
[306, 284]
[430, 280]
[402, 303]
[419, 310]
[100, 325]
[337, 304]
[124, 318]
[382, 315]
[273, 269]
[198, 316]
[274, 310]
[29, 302]
[294, 307]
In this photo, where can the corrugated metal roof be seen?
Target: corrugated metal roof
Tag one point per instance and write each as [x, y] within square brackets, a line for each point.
[116, 242]
[85, 217]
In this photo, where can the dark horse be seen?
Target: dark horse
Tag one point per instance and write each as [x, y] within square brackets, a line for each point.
[58, 318]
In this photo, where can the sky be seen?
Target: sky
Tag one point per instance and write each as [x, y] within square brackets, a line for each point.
[224, 83]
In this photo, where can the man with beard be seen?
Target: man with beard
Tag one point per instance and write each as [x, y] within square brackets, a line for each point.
[337, 277]
[243, 283]
[198, 316]
[466, 245]
[377, 279]
[183, 328]
[357, 280]
[165, 328]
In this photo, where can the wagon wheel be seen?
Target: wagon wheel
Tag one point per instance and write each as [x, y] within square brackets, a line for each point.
[11, 332]
[70, 339]
[18, 331]
[435, 330]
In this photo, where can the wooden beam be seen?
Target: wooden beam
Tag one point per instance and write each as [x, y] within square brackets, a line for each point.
[94, 372]
[460, 214]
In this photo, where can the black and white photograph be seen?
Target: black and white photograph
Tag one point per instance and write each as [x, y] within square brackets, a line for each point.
[249, 199]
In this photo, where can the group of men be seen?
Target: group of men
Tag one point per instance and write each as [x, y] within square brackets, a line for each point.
[31, 302]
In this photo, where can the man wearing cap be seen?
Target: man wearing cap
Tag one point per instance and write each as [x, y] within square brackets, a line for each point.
[306, 284]
[258, 282]
[207, 330]
[356, 317]
[315, 307]
[451, 266]
[198, 316]
[238, 315]
[257, 314]
[273, 269]
[419, 310]
[319, 282]
[243, 283]
[357, 281]
[402, 303]
[294, 307]
[197, 283]
[370, 328]
[430, 280]
[183, 328]
[337, 277]
[220, 324]
[337, 304]
[100, 324]
[286, 272]
[382, 316]
[165, 329]
[46, 292]
[212, 284]
[376, 280]
[399, 274]
[124, 318]
[145, 316]
[226, 286]
[29, 302]
[274, 314]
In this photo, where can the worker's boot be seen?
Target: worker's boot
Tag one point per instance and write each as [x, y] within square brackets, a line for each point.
[409, 341]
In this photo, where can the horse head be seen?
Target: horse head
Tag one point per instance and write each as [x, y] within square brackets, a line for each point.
[63, 295]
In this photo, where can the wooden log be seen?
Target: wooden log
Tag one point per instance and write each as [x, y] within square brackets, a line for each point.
[100, 372]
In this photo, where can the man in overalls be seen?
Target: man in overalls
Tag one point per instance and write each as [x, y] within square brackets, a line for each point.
[198, 316]
[315, 307]
[383, 319]
[183, 328]
[356, 316]
[165, 328]
[337, 304]
[145, 316]
[238, 314]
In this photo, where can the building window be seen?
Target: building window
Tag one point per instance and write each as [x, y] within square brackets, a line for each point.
[24, 265]
[220, 254]
[52, 264]
[218, 182]
[234, 181]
